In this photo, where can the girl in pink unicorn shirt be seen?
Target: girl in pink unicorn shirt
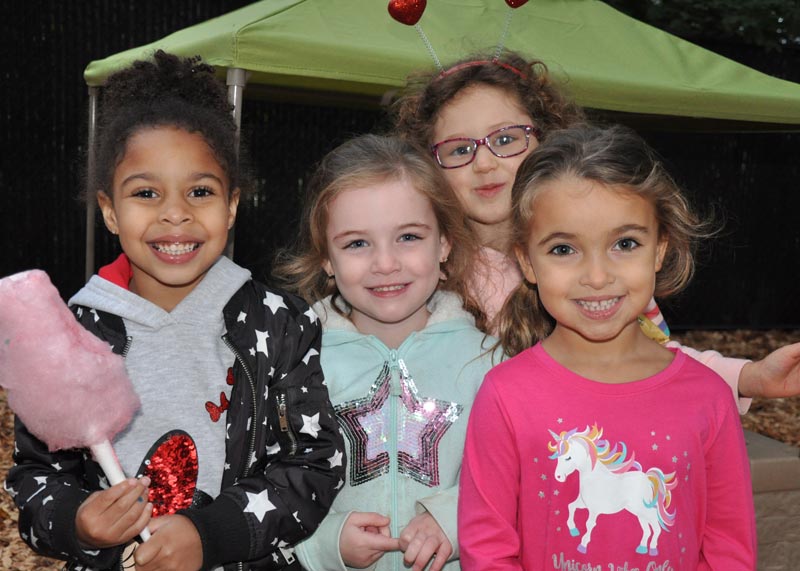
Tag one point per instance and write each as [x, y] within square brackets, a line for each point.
[596, 419]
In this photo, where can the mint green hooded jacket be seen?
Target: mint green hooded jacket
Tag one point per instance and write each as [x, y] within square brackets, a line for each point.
[404, 416]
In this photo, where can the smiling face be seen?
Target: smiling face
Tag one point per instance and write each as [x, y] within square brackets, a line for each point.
[593, 252]
[484, 186]
[384, 250]
[172, 208]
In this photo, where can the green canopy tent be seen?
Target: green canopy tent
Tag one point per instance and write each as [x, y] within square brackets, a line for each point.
[352, 50]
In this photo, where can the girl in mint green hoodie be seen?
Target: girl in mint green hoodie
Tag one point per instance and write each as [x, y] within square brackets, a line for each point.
[383, 256]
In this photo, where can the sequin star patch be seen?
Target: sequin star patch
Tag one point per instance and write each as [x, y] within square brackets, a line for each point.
[418, 426]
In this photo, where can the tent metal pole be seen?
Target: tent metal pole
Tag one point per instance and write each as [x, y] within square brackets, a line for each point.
[91, 203]
[236, 81]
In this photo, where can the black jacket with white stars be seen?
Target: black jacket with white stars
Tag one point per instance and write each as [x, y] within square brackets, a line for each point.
[284, 454]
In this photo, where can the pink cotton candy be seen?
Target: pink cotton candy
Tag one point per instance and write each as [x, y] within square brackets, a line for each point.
[65, 384]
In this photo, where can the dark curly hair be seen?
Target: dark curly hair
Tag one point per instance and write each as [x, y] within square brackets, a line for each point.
[166, 91]
[418, 106]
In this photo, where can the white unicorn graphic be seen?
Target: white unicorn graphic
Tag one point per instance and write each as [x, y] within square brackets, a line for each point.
[609, 484]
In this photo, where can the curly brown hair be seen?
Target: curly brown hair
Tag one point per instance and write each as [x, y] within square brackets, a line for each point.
[164, 91]
[416, 110]
[358, 163]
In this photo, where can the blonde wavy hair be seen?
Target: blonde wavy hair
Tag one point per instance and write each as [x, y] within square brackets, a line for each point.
[363, 161]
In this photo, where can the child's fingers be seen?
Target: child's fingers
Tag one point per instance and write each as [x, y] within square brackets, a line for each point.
[380, 542]
[422, 549]
[441, 556]
[368, 519]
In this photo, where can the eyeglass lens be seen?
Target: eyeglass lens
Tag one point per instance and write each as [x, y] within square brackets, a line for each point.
[505, 142]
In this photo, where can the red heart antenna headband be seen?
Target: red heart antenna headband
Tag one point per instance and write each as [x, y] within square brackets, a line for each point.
[409, 12]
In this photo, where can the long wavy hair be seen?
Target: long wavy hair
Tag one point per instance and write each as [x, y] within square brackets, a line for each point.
[612, 156]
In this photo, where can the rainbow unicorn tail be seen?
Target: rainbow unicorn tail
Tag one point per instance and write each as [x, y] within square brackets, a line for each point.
[662, 485]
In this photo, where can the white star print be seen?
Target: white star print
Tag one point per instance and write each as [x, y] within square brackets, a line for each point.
[655, 447]
[34, 539]
[56, 466]
[313, 496]
[311, 353]
[311, 425]
[304, 389]
[41, 480]
[274, 302]
[541, 494]
[275, 557]
[555, 492]
[543, 476]
[258, 504]
[336, 460]
[253, 459]
[308, 451]
[242, 317]
[252, 352]
[227, 466]
[47, 499]
[261, 342]
[271, 371]
[80, 312]
[560, 421]
[96, 317]
[669, 437]
[652, 433]
[674, 459]
[312, 317]
[274, 448]
[339, 485]
[296, 516]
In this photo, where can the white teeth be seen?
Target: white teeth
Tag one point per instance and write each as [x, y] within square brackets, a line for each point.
[598, 305]
[175, 249]
[389, 288]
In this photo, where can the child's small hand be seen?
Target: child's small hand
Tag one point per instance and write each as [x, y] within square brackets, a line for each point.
[173, 546]
[114, 516]
[776, 375]
[423, 540]
[365, 538]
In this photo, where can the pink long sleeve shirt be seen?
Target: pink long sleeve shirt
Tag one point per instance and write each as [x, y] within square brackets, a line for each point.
[548, 451]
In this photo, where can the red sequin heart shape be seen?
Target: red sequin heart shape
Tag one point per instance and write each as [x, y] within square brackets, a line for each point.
[407, 12]
[172, 469]
[516, 3]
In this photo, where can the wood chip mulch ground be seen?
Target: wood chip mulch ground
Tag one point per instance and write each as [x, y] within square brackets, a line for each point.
[776, 418]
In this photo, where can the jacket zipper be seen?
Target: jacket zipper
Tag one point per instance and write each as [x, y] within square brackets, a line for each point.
[394, 396]
[127, 346]
[283, 421]
[252, 443]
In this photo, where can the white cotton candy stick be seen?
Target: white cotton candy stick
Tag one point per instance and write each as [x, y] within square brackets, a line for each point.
[104, 455]
[66, 385]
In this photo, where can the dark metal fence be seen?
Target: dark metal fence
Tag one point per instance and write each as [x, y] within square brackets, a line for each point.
[747, 277]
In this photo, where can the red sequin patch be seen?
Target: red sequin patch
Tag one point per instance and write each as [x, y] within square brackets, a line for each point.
[172, 470]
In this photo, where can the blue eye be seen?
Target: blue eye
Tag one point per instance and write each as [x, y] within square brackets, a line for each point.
[356, 244]
[626, 244]
[410, 237]
[562, 250]
[502, 140]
